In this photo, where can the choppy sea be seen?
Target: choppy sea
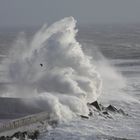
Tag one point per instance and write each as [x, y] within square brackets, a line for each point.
[116, 54]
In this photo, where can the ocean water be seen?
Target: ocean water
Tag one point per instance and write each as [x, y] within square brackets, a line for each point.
[114, 52]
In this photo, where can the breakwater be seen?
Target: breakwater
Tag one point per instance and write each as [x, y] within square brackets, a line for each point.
[24, 121]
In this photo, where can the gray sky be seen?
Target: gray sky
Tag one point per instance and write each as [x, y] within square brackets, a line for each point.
[38, 12]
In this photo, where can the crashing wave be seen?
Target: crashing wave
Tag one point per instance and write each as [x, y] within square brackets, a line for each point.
[53, 68]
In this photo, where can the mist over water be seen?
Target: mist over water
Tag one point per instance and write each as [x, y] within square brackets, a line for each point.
[52, 67]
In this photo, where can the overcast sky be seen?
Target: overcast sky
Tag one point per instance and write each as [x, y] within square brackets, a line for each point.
[38, 12]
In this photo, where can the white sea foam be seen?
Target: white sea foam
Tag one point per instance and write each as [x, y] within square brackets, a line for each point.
[53, 68]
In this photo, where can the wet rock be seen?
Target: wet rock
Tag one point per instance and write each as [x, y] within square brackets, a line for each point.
[3, 138]
[102, 107]
[115, 110]
[36, 134]
[102, 110]
[122, 112]
[33, 135]
[85, 117]
[111, 108]
[90, 113]
[105, 113]
[9, 138]
[17, 135]
[25, 134]
[96, 105]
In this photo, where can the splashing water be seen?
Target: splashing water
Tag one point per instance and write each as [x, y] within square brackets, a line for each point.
[53, 68]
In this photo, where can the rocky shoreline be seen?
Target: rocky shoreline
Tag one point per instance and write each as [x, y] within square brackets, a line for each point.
[22, 135]
[95, 108]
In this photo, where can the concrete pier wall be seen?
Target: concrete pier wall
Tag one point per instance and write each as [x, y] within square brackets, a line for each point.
[17, 123]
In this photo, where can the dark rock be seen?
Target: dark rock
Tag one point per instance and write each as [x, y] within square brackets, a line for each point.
[85, 117]
[122, 112]
[31, 136]
[105, 113]
[3, 138]
[22, 135]
[102, 110]
[8, 138]
[17, 135]
[25, 134]
[34, 135]
[111, 108]
[102, 107]
[96, 105]
[90, 113]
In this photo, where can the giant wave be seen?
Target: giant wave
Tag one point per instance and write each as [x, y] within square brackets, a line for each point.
[52, 68]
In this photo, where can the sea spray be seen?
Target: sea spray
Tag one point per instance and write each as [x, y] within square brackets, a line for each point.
[53, 69]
